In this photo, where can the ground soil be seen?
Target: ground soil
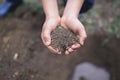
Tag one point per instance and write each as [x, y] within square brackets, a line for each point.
[24, 57]
[63, 38]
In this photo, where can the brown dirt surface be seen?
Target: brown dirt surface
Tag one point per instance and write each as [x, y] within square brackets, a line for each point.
[63, 38]
[23, 56]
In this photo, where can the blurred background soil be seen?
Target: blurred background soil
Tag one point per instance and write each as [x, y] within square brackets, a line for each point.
[24, 57]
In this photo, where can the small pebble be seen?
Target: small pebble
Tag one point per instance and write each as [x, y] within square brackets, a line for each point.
[15, 56]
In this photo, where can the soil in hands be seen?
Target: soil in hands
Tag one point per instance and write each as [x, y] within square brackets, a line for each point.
[63, 38]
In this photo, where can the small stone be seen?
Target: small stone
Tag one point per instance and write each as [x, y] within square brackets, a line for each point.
[32, 76]
[6, 39]
[15, 56]
[16, 74]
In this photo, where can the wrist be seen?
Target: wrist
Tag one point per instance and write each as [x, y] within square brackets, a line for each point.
[66, 19]
[53, 19]
[52, 15]
[57, 17]
[69, 17]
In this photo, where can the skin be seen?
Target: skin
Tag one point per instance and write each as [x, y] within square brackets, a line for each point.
[69, 20]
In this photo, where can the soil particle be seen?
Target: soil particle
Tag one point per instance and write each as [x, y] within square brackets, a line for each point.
[63, 38]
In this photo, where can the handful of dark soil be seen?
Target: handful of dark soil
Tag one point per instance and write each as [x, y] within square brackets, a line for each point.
[63, 38]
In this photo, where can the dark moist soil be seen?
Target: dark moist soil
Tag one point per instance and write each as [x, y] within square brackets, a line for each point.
[20, 35]
[63, 38]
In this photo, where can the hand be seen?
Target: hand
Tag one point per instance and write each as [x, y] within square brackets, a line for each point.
[76, 26]
[49, 25]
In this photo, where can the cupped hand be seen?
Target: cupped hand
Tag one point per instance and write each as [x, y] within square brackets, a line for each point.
[74, 24]
[49, 25]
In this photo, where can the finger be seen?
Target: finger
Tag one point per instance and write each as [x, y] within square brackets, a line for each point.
[66, 52]
[82, 35]
[75, 46]
[46, 38]
[70, 50]
[46, 35]
[53, 50]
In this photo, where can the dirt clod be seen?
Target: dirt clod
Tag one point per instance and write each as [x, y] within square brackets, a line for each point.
[63, 38]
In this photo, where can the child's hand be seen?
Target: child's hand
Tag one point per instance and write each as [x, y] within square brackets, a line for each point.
[72, 9]
[49, 25]
[76, 26]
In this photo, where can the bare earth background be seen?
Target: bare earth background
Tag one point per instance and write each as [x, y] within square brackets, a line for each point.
[24, 57]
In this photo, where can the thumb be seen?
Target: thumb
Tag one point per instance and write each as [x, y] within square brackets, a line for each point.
[83, 35]
[46, 37]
